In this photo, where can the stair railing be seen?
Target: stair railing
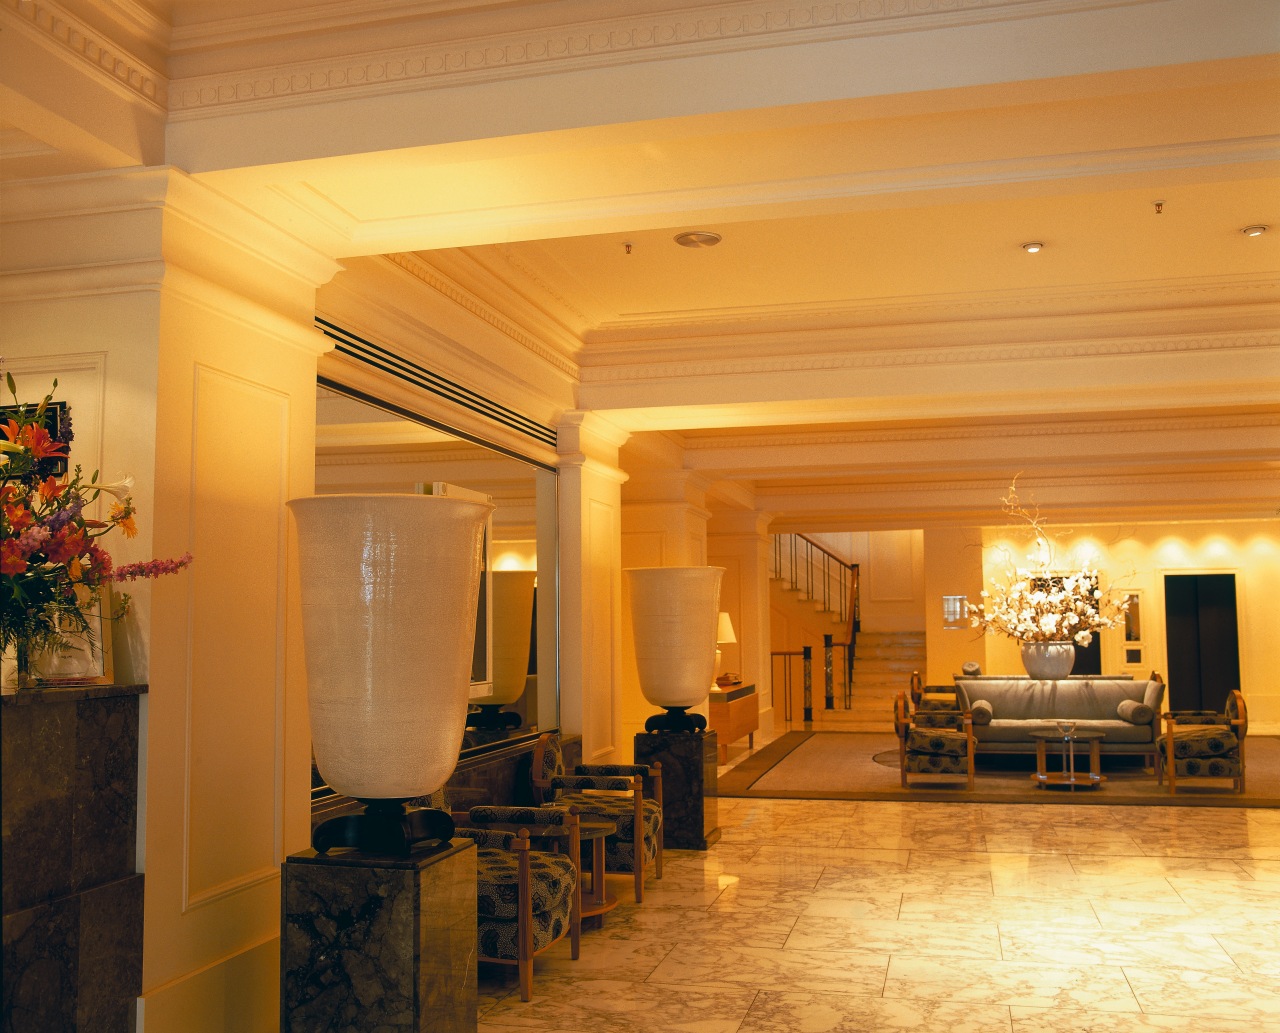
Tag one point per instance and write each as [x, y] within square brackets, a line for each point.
[821, 576]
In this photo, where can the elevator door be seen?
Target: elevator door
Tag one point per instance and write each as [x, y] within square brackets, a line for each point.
[1203, 645]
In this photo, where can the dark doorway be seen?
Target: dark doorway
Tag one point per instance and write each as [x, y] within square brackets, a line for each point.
[1203, 644]
[1088, 658]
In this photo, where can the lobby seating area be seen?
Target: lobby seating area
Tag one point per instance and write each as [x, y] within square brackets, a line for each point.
[838, 916]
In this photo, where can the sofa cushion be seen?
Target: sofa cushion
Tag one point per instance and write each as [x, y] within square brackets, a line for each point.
[1135, 712]
[1075, 699]
[1116, 731]
[1208, 767]
[937, 764]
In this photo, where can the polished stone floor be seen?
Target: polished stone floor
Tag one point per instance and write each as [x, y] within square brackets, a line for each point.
[833, 917]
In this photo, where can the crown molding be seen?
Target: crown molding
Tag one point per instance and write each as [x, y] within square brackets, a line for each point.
[432, 277]
[585, 43]
[921, 355]
[701, 449]
[51, 25]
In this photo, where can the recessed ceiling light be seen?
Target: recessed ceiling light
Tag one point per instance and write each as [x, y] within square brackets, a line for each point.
[1256, 230]
[1032, 246]
[698, 238]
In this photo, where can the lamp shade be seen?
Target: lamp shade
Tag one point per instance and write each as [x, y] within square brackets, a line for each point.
[724, 630]
[390, 586]
[674, 616]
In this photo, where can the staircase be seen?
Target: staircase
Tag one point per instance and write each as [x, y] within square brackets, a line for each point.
[881, 670]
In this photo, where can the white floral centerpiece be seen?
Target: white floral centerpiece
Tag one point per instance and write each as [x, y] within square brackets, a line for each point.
[1043, 608]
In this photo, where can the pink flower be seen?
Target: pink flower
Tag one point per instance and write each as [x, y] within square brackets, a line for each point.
[150, 568]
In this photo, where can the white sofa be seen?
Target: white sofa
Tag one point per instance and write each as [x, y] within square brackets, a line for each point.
[1006, 710]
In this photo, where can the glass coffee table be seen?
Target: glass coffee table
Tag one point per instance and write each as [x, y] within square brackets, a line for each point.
[1068, 778]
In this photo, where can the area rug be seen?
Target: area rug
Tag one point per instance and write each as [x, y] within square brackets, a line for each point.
[864, 766]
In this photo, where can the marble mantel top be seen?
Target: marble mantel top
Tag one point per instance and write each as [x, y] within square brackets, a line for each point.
[66, 693]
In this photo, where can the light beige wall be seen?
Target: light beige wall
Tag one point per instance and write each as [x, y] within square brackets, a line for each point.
[952, 566]
[738, 540]
[1136, 558]
[195, 320]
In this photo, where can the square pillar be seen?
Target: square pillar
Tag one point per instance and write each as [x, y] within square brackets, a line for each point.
[379, 943]
[688, 785]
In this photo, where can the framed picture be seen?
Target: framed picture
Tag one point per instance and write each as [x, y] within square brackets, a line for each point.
[57, 421]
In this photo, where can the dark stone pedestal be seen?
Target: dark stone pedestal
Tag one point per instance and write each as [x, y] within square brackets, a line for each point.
[72, 900]
[688, 785]
[379, 943]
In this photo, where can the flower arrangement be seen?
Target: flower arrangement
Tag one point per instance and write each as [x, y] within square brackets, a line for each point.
[51, 560]
[1039, 605]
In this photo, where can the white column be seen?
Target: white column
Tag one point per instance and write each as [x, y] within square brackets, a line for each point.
[181, 327]
[591, 584]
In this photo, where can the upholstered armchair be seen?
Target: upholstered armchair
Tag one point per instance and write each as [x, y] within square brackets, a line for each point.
[931, 749]
[526, 899]
[629, 795]
[934, 706]
[1204, 744]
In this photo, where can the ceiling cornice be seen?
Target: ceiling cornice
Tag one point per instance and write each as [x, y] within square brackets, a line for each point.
[584, 43]
[51, 25]
[428, 274]
[730, 363]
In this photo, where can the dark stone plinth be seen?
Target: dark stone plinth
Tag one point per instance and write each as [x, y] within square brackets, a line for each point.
[688, 785]
[69, 784]
[75, 963]
[379, 943]
[72, 900]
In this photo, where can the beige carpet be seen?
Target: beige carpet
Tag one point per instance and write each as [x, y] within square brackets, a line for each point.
[864, 766]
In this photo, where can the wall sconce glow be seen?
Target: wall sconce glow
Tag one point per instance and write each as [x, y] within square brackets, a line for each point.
[1032, 246]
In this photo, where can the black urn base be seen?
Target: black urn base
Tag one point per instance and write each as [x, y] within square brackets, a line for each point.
[386, 827]
[676, 720]
[491, 717]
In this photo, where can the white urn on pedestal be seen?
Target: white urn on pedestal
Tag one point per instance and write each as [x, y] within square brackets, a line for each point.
[513, 594]
[674, 617]
[390, 585]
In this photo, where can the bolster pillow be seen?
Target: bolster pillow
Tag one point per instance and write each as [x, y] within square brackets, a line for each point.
[981, 711]
[1135, 712]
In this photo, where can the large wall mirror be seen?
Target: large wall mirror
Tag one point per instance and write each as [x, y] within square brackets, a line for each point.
[364, 447]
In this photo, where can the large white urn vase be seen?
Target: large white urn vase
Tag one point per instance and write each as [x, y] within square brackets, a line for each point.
[513, 597]
[675, 612]
[1048, 661]
[390, 585]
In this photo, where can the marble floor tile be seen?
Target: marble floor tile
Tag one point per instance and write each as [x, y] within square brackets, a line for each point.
[765, 969]
[1086, 987]
[562, 1005]
[1029, 941]
[838, 880]
[872, 936]
[806, 917]
[1204, 867]
[782, 1012]
[672, 925]
[1209, 995]
[1057, 1020]
[1047, 911]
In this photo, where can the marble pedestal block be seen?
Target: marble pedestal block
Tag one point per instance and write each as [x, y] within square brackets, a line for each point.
[72, 900]
[688, 785]
[379, 943]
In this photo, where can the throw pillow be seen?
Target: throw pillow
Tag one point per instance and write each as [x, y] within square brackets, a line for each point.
[981, 711]
[1135, 712]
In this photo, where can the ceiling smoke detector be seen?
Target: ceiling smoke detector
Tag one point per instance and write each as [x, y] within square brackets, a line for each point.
[698, 238]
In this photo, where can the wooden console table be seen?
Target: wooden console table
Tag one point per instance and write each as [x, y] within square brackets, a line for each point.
[733, 712]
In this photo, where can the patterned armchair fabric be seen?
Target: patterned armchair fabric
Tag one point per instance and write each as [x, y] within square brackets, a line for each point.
[629, 795]
[1205, 744]
[933, 741]
[526, 899]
